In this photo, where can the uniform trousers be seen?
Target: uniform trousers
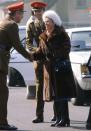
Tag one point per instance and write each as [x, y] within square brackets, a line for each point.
[38, 66]
[4, 93]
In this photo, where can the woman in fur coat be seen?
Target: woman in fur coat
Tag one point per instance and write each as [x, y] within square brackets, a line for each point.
[54, 49]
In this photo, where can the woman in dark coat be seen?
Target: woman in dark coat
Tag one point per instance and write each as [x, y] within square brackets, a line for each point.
[55, 48]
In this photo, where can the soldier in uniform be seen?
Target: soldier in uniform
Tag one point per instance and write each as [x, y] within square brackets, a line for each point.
[35, 27]
[9, 38]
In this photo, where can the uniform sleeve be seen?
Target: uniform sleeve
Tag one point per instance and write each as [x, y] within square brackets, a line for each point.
[39, 53]
[13, 33]
[29, 37]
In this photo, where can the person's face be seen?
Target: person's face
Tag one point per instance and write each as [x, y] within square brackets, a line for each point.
[49, 24]
[18, 16]
[38, 13]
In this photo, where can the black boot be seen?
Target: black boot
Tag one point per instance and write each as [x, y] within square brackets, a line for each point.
[54, 118]
[54, 124]
[39, 119]
[7, 127]
[58, 114]
[64, 114]
[63, 123]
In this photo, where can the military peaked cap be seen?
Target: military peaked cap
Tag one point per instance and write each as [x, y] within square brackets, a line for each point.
[16, 6]
[38, 5]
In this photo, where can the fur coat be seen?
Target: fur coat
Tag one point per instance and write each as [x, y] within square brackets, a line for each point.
[51, 48]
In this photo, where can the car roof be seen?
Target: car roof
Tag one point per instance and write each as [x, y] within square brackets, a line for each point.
[79, 29]
[68, 30]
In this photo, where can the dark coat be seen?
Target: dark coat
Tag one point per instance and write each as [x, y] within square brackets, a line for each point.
[52, 48]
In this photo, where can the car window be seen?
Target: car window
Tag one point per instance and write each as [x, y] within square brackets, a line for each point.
[81, 40]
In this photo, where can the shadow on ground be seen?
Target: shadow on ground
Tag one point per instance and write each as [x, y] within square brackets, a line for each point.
[80, 125]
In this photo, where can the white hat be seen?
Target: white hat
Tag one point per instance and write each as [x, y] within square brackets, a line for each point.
[52, 15]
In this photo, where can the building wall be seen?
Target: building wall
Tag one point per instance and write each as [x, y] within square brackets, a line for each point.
[78, 16]
[27, 14]
[70, 13]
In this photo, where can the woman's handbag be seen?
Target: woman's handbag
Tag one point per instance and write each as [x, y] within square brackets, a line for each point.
[62, 66]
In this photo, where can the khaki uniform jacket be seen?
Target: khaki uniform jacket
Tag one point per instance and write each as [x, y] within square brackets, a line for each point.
[9, 37]
[33, 29]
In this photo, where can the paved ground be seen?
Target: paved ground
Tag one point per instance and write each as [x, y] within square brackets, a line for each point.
[21, 112]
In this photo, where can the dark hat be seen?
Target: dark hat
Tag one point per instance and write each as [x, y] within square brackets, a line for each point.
[16, 6]
[38, 5]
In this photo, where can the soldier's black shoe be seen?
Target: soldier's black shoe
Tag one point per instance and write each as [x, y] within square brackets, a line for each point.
[7, 127]
[38, 120]
[88, 126]
[63, 123]
[54, 118]
[55, 123]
